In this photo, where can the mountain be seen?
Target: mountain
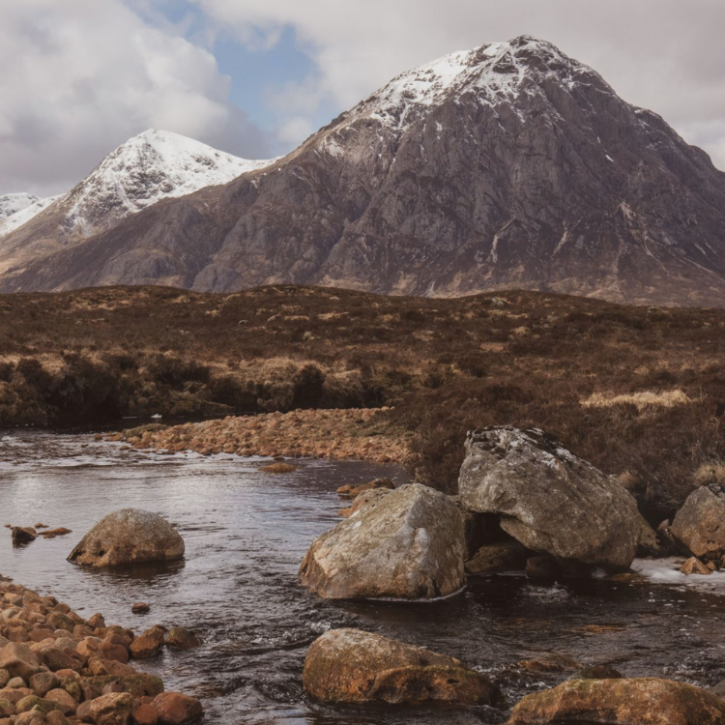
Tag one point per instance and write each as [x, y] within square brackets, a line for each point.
[148, 168]
[17, 209]
[508, 166]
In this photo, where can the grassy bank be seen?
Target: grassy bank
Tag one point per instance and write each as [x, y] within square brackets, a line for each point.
[638, 391]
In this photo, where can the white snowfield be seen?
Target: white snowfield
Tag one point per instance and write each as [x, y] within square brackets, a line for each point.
[152, 166]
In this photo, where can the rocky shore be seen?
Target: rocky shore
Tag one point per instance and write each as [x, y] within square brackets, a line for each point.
[330, 434]
[58, 668]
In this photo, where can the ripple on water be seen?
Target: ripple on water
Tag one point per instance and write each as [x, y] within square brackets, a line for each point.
[246, 533]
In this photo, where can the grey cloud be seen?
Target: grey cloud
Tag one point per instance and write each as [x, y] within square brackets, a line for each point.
[82, 77]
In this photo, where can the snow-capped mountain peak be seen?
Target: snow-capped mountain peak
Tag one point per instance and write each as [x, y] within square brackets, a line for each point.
[495, 72]
[152, 166]
[146, 169]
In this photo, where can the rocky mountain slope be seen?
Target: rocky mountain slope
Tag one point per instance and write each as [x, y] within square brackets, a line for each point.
[148, 168]
[509, 166]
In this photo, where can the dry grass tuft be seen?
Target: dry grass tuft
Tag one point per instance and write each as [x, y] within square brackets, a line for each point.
[642, 401]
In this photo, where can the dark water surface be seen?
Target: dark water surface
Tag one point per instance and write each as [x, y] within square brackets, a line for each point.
[246, 533]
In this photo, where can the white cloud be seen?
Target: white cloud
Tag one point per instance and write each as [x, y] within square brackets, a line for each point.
[82, 76]
[662, 54]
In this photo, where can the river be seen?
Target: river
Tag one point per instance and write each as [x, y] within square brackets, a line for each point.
[246, 533]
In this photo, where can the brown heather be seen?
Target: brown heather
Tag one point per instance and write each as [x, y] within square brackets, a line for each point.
[638, 391]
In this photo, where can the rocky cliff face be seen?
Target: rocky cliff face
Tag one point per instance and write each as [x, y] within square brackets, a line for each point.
[509, 166]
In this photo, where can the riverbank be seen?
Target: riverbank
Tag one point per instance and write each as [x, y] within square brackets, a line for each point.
[58, 668]
[327, 434]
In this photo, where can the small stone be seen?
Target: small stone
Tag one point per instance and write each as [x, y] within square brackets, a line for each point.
[146, 715]
[148, 644]
[278, 468]
[112, 709]
[173, 708]
[353, 491]
[19, 660]
[140, 608]
[16, 683]
[23, 535]
[598, 672]
[63, 700]
[550, 662]
[695, 566]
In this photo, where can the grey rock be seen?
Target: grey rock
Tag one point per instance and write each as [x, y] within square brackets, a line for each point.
[699, 524]
[549, 499]
[129, 536]
[409, 545]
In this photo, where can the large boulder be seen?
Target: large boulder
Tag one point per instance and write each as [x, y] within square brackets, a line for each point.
[645, 701]
[349, 665]
[409, 545]
[700, 523]
[549, 499]
[129, 536]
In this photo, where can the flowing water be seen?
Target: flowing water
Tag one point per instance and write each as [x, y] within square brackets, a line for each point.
[246, 533]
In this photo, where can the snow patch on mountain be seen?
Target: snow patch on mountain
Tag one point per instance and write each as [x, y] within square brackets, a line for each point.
[150, 167]
[17, 209]
[496, 72]
[13, 203]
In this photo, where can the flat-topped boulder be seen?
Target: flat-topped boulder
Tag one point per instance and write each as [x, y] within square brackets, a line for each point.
[349, 665]
[700, 523]
[642, 701]
[129, 536]
[549, 499]
[408, 545]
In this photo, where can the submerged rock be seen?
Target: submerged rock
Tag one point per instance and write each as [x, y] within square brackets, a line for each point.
[645, 701]
[349, 665]
[173, 708]
[378, 483]
[549, 499]
[699, 523]
[23, 535]
[367, 498]
[129, 536]
[409, 545]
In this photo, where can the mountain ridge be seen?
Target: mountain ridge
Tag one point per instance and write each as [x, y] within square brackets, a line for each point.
[508, 166]
[148, 168]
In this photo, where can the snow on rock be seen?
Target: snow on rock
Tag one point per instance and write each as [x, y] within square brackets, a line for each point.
[16, 209]
[150, 167]
[12, 203]
[495, 72]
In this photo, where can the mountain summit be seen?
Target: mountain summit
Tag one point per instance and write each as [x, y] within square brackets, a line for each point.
[146, 169]
[508, 166]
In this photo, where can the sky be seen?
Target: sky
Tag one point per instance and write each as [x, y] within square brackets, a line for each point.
[256, 77]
